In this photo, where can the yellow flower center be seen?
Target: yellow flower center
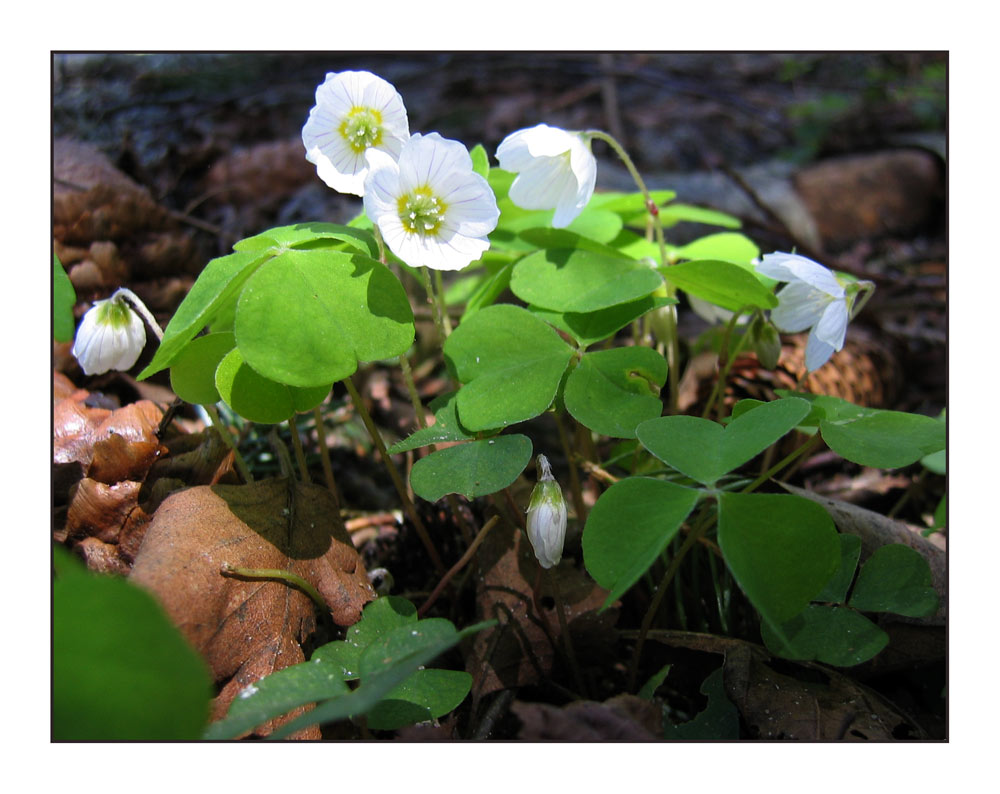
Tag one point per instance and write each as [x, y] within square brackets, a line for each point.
[361, 128]
[421, 212]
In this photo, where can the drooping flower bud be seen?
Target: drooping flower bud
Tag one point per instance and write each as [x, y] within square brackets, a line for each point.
[111, 335]
[766, 342]
[546, 516]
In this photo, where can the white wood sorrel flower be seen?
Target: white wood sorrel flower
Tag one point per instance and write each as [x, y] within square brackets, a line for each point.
[111, 336]
[555, 170]
[355, 112]
[546, 516]
[814, 298]
[431, 208]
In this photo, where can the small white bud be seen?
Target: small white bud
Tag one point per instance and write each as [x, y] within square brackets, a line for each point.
[547, 517]
[111, 336]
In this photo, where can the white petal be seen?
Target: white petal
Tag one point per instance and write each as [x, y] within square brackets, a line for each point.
[832, 326]
[518, 149]
[799, 307]
[793, 267]
[430, 160]
[381, 186]
[818, 352]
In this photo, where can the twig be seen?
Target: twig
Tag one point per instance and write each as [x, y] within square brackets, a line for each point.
[480, 537]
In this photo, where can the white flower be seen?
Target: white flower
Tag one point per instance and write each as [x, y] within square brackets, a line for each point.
[111, 336]
[354, 113]
[432, 209]
[814, 298]
[547, 517]
[555, 170]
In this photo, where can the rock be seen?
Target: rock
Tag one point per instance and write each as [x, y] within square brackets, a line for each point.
[871, 195]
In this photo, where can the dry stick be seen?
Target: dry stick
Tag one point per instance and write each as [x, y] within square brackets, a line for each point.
[397, 480]
[324, 455]
[480, 537]
[654, 605]
[574, 477]
[241, 464]
[300, 455]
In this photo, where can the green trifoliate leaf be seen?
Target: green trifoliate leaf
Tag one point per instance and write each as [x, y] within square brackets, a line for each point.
[895, 579]
[722, 283]
[493, 350]
[567, 280]
[477, 468]
[63, 298]
[832, 635]
[261, 399]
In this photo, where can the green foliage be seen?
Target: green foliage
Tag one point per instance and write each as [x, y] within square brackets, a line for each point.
[718, 722]
[727, 285]
[63, 300]
[305, 303]
[446, 426]
[120, 669]
[477, 468]
[386, 650]
[499, 346]
[629, 527]
[705, 450]
[781, 549]
[192, 375]
[589, 328]
[567, 280]
[894, 579]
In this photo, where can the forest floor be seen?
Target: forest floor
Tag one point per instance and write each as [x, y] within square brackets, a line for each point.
[162, 162]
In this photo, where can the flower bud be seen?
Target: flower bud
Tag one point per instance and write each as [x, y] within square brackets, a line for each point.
[766, 343]
[111, 336]
[546, 516]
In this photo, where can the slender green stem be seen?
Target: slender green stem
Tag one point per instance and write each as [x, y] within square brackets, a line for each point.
[140, 307]
[673, 344]
[397, 480]
[411, 387]
[726, 360]
[300, 455]
[324, 456]
[574, 476]
[435, 305]
[793, 456]
[241, 465]
[480, 537]
[439, 293]
[277, 574]
[647, 621]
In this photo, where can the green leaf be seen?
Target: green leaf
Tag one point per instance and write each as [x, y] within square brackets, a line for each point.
[781, 549]
[718, 722]
[306, 318]
[648, 690]
[727, 246]
[192, 375]
[477, 468]
[895, 579]
[480, 161]
[705, 450]
[261, 399]
[722, 283]
[120, 669]
[674, 213]
[63, 300]
[832, 635]
[216, 289]
[303, 234]
[613, 391]
[628, 527]
[885, 439]
[630, 206]
[488, 291]
[566, 280]
[425, 695]
[836, 589]
[279, 693]
[379, 617]
[565, 239]
[588, 328]
[446, 426]
[511, 364]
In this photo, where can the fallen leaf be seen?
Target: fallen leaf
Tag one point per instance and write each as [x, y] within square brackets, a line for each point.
[623, 718]
[249, 628]
[782, 699]
[520, 650]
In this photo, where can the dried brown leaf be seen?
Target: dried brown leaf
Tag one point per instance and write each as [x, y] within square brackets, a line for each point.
[520, 650]
[248, 628]
[623, 718]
